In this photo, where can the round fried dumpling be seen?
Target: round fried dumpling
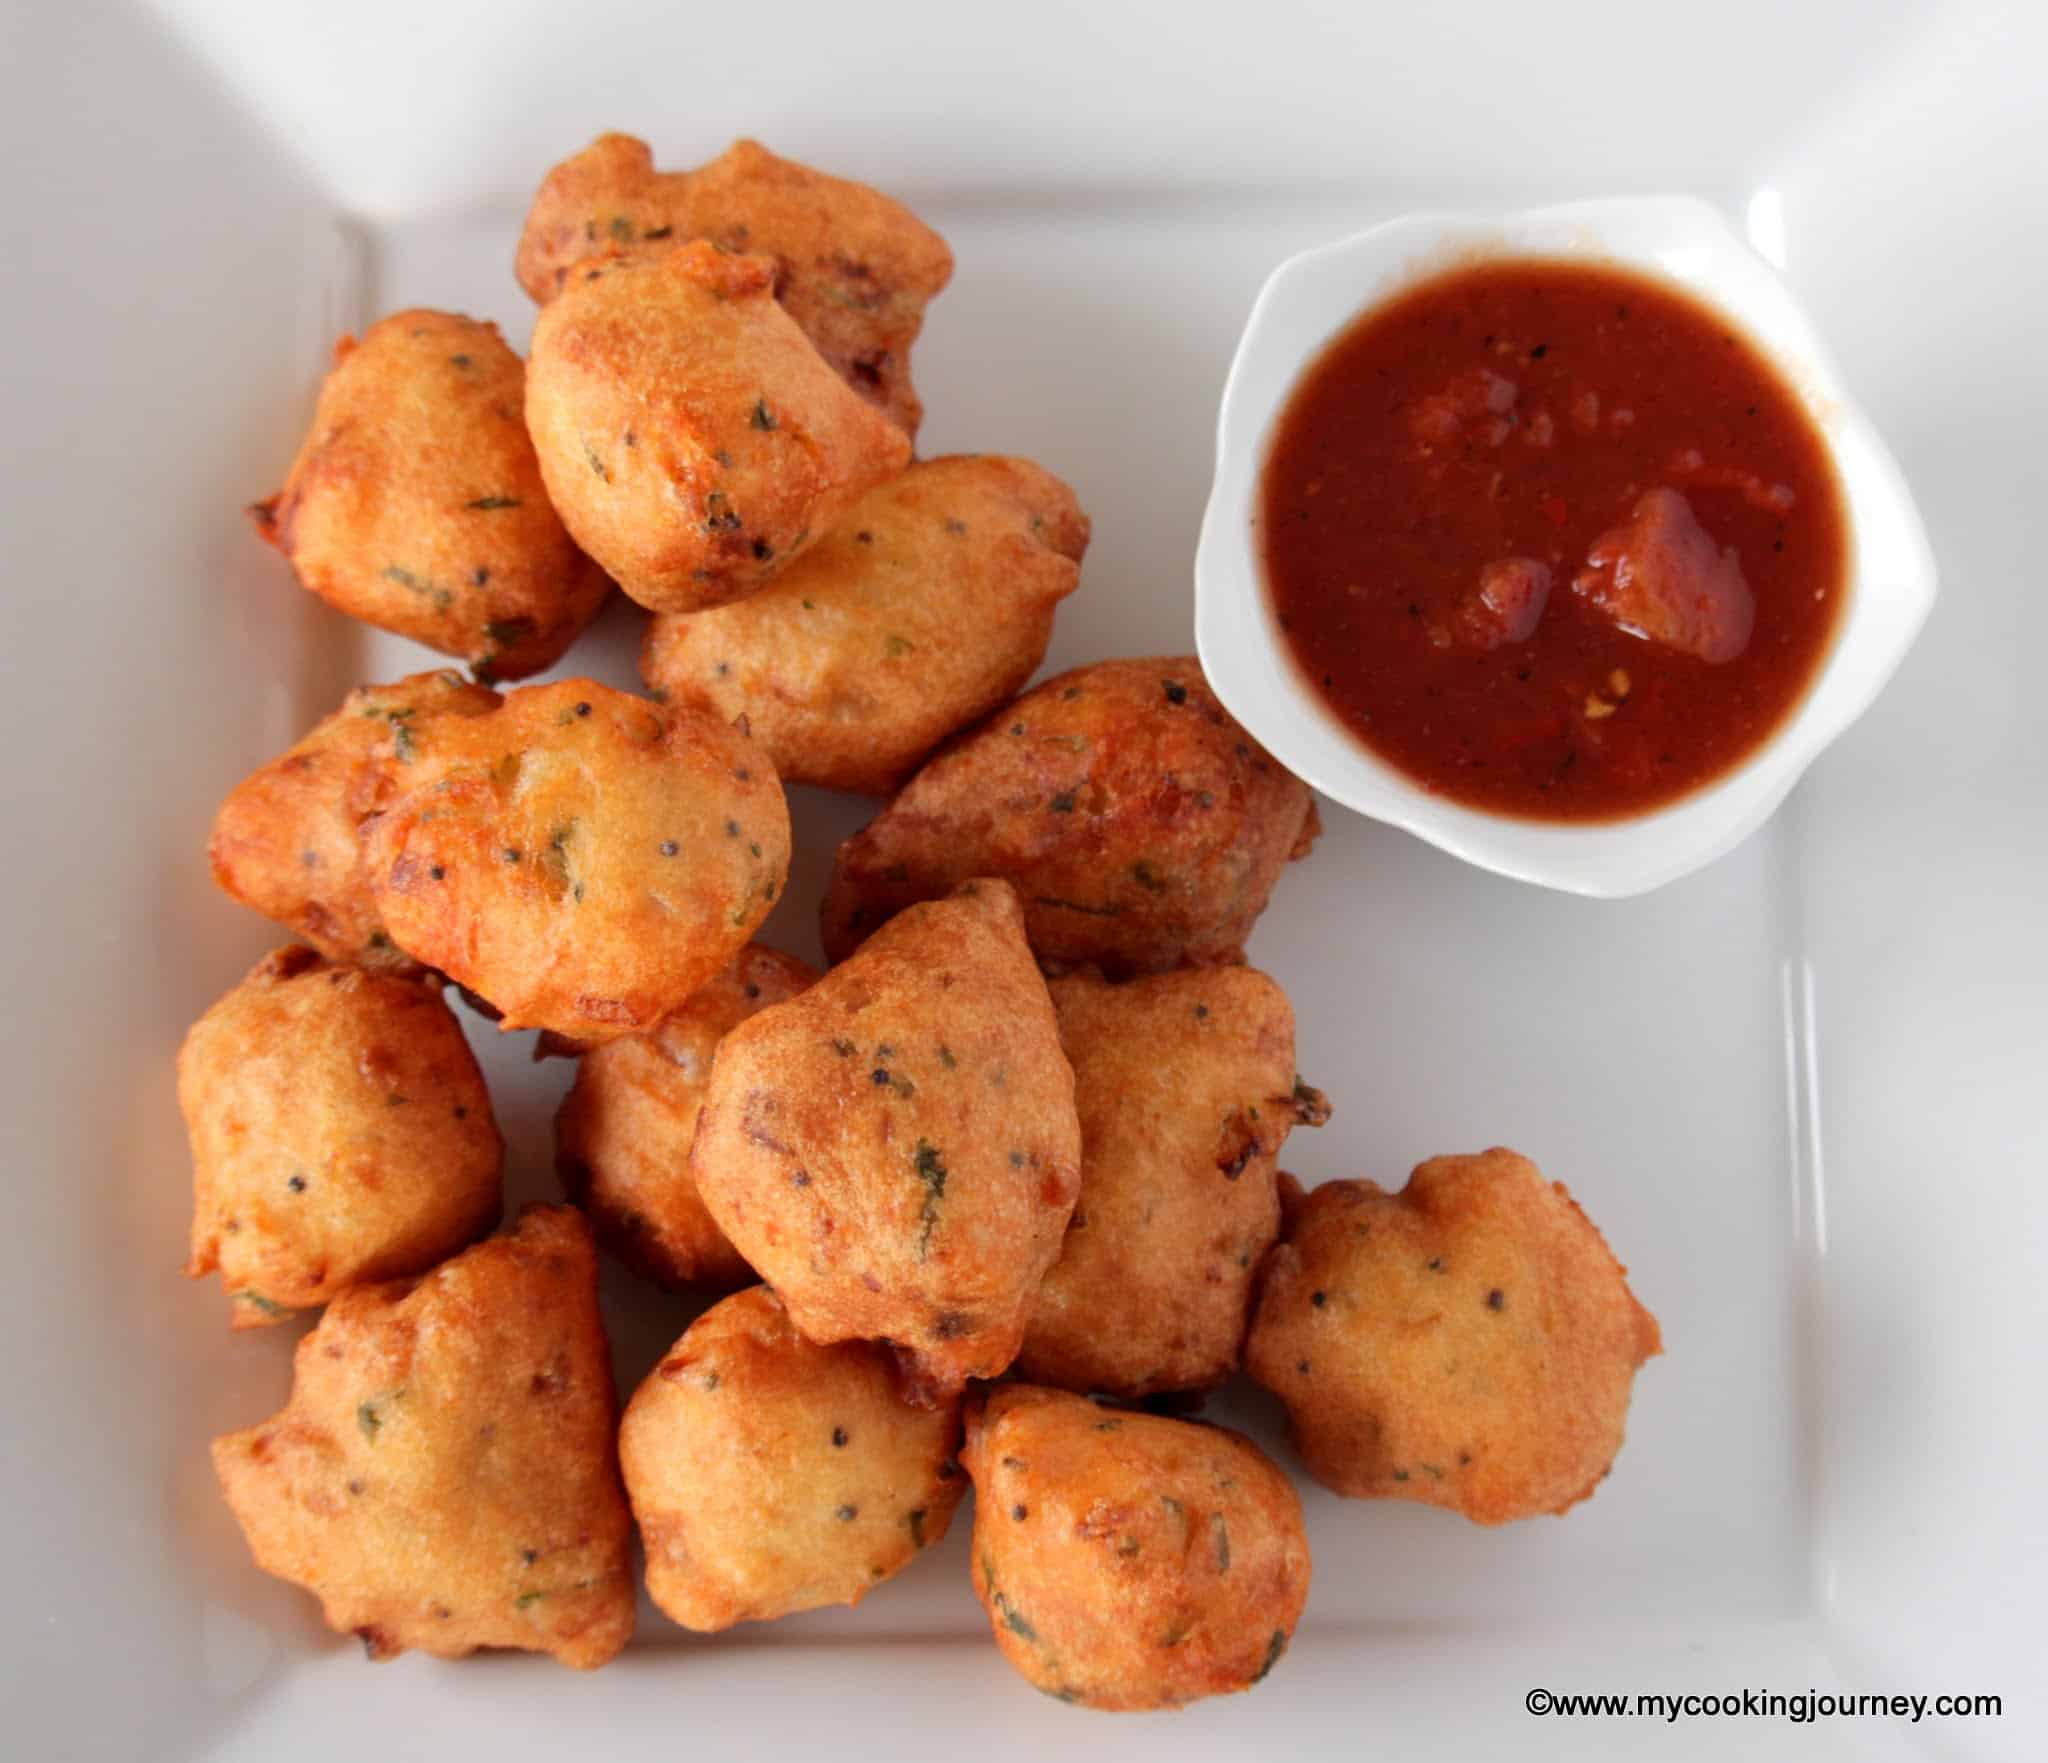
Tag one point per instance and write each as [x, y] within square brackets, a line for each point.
[895, 1149]
[930, 604]
[691, 437]
[853, 268]
[1142, 827]
[622, 1138]
[1129, 1561]
[446, 1473]
[340, 1134]
[770, 1475]
[1186, 1090]
[1469, 1342]
[580, 858]
[287, 841]
[416, 504]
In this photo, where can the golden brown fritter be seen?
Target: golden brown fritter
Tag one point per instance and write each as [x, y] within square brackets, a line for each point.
[340, 1134]
[693, 440]
[1142, 827]
[896, 1148]
[1186, 1090]
[770, 1475]
[580, 858]
[930, 604]
[1129, 1561]
[622, 1138]
[286, 841]
[853, 268]
[416, 503]
[446, 1474]
[1469, 1342]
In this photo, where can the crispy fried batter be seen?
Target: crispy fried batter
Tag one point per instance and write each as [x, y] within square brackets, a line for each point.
[1469, 1342]
[445, 1475]
[286, 841]
[771, 1475]
[340, 1134]
[693, 440]
[622, 1138]
[1186, 1090]
[582, 859]
[416, 504]
[1129, 1561]
[930, 604]
[1142, 827]
[853, 268]
[896, 1148]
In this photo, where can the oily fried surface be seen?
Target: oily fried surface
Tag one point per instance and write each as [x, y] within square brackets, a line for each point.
[581, 858]
[1129, 1561]
[416, 503]
[1141, 826]
[1468, 1342]
[930, 604]
[895, 1149]
[853, 268]
[340, 1134]
[622, 1137]
[1186, 1089]
[286, 841]
[692, 439]
[445, 1475]
[770, 1475]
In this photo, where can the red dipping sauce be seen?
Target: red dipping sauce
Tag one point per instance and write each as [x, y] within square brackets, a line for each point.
[1555, 540]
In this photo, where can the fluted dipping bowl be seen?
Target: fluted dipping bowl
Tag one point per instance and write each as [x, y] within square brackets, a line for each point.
[1311, 299]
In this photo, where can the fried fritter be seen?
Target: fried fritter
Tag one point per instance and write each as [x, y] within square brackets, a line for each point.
[930, 604]
[416, 505]
[896, 1148]
[580, 858]
[770, 1475]
[286, 841]
[853, 268]
[1186, 1090]
[1129, 1561]
[1142, 827]
[340, 1134]
[446, 1475]
[622, 1138]
[693, 440]
[1469, 1342]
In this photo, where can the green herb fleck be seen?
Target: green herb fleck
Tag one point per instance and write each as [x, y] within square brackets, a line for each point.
[369, 1419]
[1063, 803]
[896, 645]
[946, 1056]
[764, 418]
[621, 229]
[258, 1302]
[487, 503]
[916, 1523]
[1111, 911]
[931, 1170]
[719, 514]
[403, 744]
[603, 471]
[1222, 1531]
[508, 633]
[1274, 1648]
[417, 584]
[527, 1600]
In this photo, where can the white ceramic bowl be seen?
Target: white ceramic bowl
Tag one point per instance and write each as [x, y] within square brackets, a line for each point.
[1311, 298]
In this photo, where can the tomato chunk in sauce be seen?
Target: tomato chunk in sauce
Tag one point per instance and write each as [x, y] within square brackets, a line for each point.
[1552, 538]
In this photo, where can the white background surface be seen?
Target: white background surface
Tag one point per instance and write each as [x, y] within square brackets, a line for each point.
[1800, 1091]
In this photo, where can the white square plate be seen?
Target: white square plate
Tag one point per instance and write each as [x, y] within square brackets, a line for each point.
[1832, 1479]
